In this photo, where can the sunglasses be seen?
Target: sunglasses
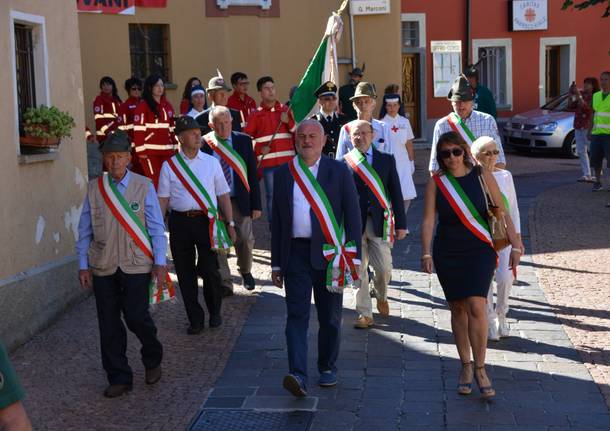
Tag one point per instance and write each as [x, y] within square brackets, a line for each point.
[490, 153]
[136, 88]
[445, 154]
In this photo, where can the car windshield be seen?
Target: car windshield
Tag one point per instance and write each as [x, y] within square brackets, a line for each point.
[559, 104]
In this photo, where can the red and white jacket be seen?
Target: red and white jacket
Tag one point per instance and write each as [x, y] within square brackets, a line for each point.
[153, 135]
[125, 116]
[105, 114]
[261, 126]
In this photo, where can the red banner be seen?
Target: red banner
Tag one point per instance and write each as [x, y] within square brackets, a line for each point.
[151, 3]
[121, 7]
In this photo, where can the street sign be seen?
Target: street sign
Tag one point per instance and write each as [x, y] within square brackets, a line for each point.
[369, 7]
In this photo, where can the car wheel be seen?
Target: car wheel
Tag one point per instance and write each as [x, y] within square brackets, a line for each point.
[569, 146]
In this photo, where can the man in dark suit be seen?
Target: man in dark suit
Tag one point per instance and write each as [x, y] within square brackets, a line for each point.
[218, 93]
[375, 249]
[328, 116]
[296, 254]
[239, 168]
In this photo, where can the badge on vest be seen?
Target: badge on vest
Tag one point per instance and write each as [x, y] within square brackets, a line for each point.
[135, 206]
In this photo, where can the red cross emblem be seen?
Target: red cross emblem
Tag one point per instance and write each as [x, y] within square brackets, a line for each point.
[394, 129]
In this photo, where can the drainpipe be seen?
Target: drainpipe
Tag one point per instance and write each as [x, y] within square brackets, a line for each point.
[351, 37]
[468, 55]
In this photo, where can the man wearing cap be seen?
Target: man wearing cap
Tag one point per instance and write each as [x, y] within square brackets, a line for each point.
[328, 116]
[197, 102]
[235, 153]
[364, 101]
[470, 124]
[383, 218]
[347, 91]
[483, 98]
[218, 93]
[120, 212]
[194, 187]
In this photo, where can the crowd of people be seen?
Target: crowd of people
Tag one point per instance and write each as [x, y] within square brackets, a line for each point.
[337, 186]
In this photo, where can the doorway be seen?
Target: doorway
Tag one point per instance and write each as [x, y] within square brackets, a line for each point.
[410, 91]
[557, 66]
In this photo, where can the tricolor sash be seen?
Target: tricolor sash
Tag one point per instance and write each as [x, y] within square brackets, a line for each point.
[463, 207]
[229, 155]
[119, 207]
[219, 238]
[460, 127]
[341, 256]
[370, 177]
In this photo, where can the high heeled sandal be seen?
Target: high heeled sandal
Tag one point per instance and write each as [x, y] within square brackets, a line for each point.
[465, 388]
[487, 392]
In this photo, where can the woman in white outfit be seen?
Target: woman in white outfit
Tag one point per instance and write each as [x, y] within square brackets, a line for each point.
[401, 136]
[485, 151]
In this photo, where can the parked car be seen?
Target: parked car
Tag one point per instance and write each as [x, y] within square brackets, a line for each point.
[550, 128]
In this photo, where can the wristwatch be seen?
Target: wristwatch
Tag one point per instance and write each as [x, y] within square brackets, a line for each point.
[232, 223]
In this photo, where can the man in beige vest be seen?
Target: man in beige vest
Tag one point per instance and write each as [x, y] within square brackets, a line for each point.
[118, 270]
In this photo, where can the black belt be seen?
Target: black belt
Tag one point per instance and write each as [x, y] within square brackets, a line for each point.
[190, 213]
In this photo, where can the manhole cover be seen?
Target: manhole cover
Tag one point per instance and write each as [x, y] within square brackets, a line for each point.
[248, 420]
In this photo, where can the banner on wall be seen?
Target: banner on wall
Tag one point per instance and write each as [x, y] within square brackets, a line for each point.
[117, 7]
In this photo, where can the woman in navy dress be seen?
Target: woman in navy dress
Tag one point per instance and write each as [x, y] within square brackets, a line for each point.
[464, 261]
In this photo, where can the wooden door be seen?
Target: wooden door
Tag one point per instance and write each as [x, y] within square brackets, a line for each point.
[411, 90]
[553, 72]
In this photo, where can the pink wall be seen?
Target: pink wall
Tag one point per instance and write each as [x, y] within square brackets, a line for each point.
[490, 20]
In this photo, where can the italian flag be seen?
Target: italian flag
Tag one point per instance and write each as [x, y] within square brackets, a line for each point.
[323, 67]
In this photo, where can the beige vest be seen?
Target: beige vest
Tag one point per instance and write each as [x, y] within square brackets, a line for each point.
[111, 246]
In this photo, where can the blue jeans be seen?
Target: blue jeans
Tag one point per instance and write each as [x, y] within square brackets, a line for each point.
[268, 180]
[582, 147]
[299, 278]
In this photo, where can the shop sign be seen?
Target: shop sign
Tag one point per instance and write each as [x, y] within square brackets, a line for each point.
[120, 7]
[528, 15]
[446, 64]
[369, 7]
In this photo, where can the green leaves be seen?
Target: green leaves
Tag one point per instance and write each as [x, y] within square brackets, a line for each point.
[47, 122]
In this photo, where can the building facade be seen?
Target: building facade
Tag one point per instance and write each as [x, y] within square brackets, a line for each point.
[196, 37]
[41, 193]
[523, 68]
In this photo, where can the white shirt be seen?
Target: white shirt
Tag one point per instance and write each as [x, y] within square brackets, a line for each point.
[209, 173]
[479, 123]
[193, 113]
[400, 133]
[507, 187]
[325, 115]
[301, 219]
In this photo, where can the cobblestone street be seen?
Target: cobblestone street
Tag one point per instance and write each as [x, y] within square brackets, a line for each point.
[551, 374]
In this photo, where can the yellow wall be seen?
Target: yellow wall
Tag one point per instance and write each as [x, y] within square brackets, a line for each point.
[281, 47]
[50, 192]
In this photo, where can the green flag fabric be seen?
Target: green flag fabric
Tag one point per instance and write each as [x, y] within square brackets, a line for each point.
[304, 100]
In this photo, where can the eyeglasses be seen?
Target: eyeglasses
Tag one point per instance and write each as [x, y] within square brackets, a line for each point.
[490, 153]
[445, 154]
[136, 89]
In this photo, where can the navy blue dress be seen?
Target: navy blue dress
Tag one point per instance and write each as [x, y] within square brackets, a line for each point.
[464, 264]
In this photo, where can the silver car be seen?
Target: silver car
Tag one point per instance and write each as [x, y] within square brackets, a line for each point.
[549, 128]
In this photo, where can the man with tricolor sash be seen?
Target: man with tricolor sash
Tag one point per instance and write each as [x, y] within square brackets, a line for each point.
[470, 124]
[315, 242]
[121, 241]
[193, 187]
[235, 153]
[383, 217]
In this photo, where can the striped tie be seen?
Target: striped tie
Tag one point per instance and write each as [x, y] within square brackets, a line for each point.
[226, 169]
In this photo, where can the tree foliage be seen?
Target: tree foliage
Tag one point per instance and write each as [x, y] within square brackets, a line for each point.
[567, 4]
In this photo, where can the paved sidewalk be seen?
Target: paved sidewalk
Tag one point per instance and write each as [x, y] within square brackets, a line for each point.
[402, 374]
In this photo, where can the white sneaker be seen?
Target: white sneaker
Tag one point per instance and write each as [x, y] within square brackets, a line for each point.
[503, 328]
[492, 332]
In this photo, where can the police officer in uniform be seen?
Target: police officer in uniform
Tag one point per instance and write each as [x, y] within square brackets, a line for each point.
[328, 116]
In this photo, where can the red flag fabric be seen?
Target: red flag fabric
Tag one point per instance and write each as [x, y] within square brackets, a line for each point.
[151, 3]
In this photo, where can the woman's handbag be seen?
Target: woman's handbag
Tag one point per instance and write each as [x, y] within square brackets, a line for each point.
[495, 218]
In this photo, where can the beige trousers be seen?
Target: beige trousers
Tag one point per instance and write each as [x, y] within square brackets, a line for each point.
[243, 247]
[379, 254]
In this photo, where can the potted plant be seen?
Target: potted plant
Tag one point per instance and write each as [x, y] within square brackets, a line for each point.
[45, 126]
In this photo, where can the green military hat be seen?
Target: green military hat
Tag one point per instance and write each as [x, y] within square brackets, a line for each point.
[364, 89]
[356, 71]
[186, 123]
[116, 142]
[471, 70]
[327, 89]
[461, 91]
[218, 83]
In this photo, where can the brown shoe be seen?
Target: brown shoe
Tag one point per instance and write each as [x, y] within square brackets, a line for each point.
[383, 307]
[114, 391]
[153, 375]
[363, 322]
